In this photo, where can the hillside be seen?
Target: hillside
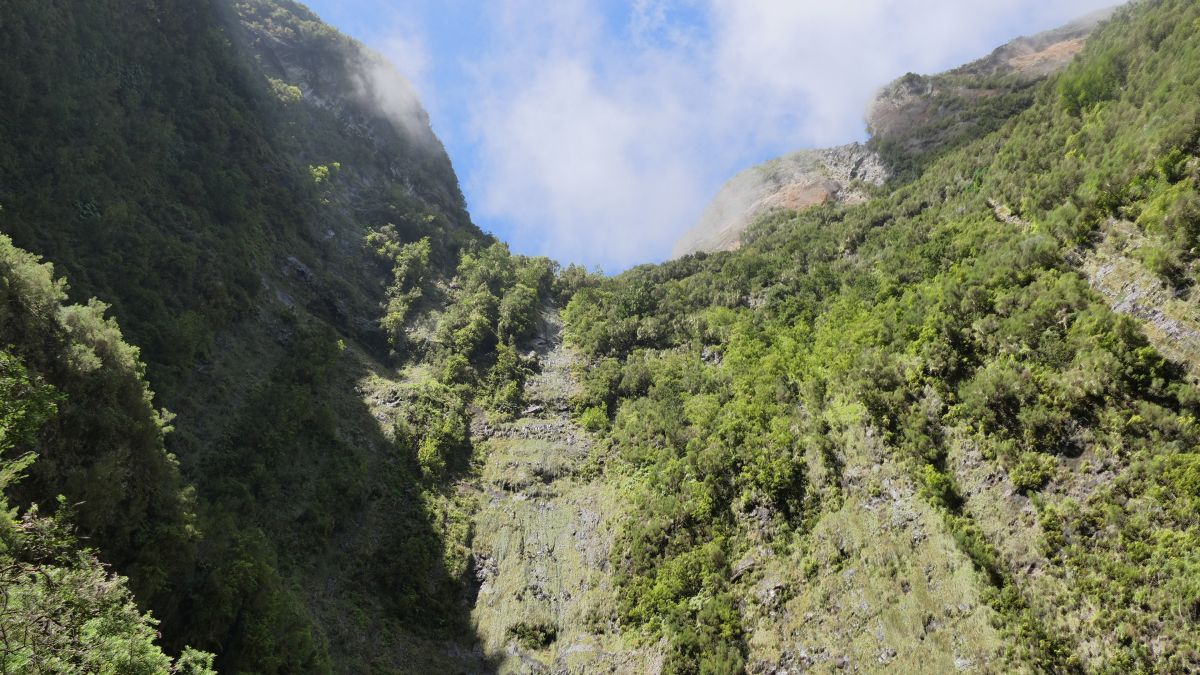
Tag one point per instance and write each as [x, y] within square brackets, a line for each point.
[937, 412]
[951, 428]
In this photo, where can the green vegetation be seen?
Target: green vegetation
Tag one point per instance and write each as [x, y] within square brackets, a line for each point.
[959, 107]
[889, 421]
[170, 144]
[221, 213]
[104, 445]
[411, 267]
[62, 610]
[532, 636]
[942, 328]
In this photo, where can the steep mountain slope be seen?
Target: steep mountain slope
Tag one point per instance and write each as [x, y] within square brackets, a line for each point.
[212, 170]
[543, 531]
[910, 121]
[917, 117]
[908, 433]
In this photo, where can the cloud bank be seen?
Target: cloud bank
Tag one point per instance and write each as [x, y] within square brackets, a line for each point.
[598, 135]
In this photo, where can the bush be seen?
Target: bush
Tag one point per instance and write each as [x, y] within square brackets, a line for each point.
[594, 419]
[532, 635]
[1162, 263]
[1090, 81]
[430, 457]
[1032, 471]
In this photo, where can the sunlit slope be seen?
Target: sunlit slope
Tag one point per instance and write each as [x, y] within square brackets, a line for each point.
[987, 365]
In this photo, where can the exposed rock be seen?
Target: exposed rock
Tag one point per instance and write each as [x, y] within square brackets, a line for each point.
[796, 181]
[1172, 320]
[919, 112]
[744, 565]
[294, 266]
[909, 100]
[543, 533]
[926, 112]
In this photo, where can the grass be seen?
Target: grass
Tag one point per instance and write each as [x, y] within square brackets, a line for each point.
[878, 584]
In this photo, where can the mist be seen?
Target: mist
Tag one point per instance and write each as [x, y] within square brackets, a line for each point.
[380, 83]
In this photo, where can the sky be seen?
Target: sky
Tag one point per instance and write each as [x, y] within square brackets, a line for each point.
[596, 131]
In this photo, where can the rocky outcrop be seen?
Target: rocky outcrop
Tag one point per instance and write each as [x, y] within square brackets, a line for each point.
[1042, 54]
[796, 181]
[921, 114]
[910, 120]
[1170, 316]
[542, 534]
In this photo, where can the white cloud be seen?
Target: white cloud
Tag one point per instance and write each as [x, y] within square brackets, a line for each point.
[406, 48]
[394, 75]
[817, 64]
[602, 146]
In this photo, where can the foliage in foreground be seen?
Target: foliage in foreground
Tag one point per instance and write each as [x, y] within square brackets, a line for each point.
[61, 610]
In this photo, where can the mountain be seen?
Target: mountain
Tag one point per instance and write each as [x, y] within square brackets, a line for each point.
[916, 117]
[910, 121]
[212, 171]
[270, 402]
[947, 429]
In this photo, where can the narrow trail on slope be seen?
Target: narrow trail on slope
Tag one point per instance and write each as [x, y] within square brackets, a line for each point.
[543, 532]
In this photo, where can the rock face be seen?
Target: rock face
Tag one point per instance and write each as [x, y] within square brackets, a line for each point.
[542, 535]
[910, 120]
[1045, 53]
[796, 181]
[1171, 318]
[924, 102]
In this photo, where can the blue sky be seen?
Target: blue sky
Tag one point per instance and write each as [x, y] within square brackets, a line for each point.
[595, 131]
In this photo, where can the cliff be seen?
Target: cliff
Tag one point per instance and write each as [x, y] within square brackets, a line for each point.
[910, 121]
